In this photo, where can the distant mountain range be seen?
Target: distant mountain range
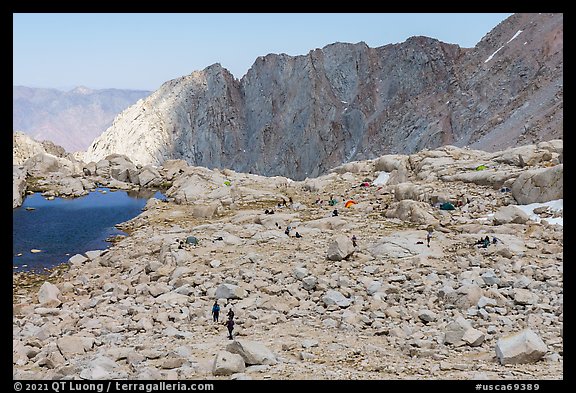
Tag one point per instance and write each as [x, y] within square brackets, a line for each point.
[71, 119]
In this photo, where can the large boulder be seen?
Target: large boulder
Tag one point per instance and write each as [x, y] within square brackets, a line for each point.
[48, 295]
[252, 352]
[467, 296]
[525, 155]
[411, 211]
[18, 185]
[173, 168]
[103, 168]
[24, 147]
[411, 191]
[340, 248]
[510, 214]
[456, 330]
[390, 162]
[327, 223]
[149, 176]
[122, 169]
[333, 297]
[89, 169]
[189, 188]
[353, 167]
[229, 291]
[397, 245]
[71, 346]
[71, 186]
[522, 347]
[226, 363]
[539, 185]
[487, 178]
[43, 164]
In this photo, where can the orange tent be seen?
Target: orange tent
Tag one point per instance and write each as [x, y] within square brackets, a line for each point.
[349, 203]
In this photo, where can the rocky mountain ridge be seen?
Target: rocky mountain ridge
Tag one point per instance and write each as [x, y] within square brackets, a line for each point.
[301, 116]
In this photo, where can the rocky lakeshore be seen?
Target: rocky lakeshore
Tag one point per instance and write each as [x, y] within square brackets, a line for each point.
[315, 306]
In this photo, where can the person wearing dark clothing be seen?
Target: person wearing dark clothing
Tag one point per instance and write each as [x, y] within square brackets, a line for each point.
[215, 311]
[354, 244]
[298, 235]
[335, 213]
[230, 314]
[486, 242]
[230, 326]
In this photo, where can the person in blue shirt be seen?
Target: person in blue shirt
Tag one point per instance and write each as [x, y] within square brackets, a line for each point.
[215, 311]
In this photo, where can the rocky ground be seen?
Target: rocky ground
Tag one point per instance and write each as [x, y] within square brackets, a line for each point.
[316, 307]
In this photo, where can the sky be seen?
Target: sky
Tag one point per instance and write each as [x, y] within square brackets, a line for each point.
[143, 50]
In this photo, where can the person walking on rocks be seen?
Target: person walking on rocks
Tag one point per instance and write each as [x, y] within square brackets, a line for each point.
[215, 311]
[230, 313]
[428, 236]
[230, 325]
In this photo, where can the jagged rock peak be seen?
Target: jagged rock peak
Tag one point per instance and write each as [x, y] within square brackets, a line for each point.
[299, 116]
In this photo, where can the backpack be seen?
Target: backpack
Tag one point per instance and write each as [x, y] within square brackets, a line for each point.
[216, 308]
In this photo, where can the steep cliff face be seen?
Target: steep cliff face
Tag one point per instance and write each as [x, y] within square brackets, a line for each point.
[300, 116]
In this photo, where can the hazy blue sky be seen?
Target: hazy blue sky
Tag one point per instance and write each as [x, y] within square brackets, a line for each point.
[142, 51]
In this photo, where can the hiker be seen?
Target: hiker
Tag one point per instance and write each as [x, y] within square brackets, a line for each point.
[298, 235]
[215, 311]
[354, 241]
[335, 213]
[266, 211]
[230, 313]
[494, 240]
[428, 237]
[287, 231]
[230, 325]
[486, 242]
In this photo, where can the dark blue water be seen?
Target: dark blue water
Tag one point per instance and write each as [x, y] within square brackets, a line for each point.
[63, 227]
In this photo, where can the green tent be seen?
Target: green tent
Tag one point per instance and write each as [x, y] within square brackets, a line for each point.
[481, 167]
[192, 240]
[227, 183]
[446, 206]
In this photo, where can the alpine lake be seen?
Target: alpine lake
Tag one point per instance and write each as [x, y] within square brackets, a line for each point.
[46, 233]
